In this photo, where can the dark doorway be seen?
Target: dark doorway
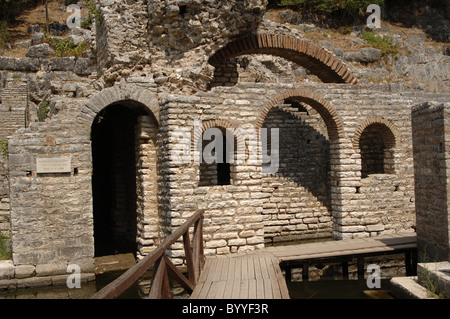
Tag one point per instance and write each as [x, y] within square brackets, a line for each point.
[114, 180]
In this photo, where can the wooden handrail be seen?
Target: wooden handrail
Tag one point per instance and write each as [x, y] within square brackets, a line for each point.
[160, 284]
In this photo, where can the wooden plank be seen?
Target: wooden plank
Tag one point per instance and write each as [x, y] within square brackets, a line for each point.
[197, 290]
[158, 278]
[189, 258]
[257, 265]
[244, 289]
[236, 288]
[178, 276]
[267, 288]
[260, 288]
[228, 291]
[344, 245]
[225, 267]
[244, 269]
[252, 288]
[220, 290]
[251, 268]
[205, 290]
[207, 283]
[347, 252]
[281, 280]
[264, 271]
[213, 290]
[229, 286]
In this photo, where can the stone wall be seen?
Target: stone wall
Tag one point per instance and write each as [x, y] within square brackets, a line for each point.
[240, 216]
[4, 200]
[431, 141]
[13, 104]
[347, 204]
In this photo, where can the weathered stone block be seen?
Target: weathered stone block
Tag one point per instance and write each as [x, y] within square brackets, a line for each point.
[39, 51]
[43, 270]
[6, 269]
[27, 64]
[24, 271]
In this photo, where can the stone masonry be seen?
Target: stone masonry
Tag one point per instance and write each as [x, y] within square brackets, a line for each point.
[431, 142]
[131, 120]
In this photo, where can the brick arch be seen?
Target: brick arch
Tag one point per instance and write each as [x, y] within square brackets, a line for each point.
[329, 115]
[219, 124]
[127, 94]
[391, 136]
[316, 59]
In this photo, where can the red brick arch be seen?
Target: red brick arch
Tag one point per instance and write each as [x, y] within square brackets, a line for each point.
[218, 123]
[389, 132]
[316, 59]
[324, 108]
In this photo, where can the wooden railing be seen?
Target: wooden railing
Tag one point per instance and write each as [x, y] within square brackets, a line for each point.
[160, 286]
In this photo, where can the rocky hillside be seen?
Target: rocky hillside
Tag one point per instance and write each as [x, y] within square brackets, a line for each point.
[396, 53]
[411, 48]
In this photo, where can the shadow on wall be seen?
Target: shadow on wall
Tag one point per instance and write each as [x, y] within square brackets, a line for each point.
[304, 150]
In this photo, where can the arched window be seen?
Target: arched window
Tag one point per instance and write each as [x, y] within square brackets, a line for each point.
[217, 155]
[376, 145]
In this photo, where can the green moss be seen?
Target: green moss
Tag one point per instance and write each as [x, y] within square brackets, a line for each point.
[4, 148]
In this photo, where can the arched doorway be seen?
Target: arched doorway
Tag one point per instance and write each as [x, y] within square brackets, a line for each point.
[300, 205]
[124, 178]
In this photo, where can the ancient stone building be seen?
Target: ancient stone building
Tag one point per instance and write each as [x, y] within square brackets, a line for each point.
[128, 127]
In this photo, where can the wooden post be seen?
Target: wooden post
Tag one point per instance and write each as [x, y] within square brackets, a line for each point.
[305, 271]
[288, 273]
[408, 263]
[414, 262]
[345, 270]
[360, 267]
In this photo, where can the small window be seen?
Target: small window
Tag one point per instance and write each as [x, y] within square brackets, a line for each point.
[217, 150]
[376, 147]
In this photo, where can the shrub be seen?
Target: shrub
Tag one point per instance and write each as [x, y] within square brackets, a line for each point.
[330, 6]
[385, 44]
[43, 111]
[66, 47]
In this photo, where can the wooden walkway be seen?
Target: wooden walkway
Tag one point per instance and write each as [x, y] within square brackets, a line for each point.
[241, 276]
[258, 274]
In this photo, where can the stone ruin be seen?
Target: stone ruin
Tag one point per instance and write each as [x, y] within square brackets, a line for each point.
[124, 126]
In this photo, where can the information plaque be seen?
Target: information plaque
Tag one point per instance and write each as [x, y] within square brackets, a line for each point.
[53, 165]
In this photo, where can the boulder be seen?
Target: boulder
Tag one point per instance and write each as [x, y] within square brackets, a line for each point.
[370, 55]
[365, 55]
[56, 28]
[39, 51]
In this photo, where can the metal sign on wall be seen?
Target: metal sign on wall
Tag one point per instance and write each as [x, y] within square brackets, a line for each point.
[53, 165]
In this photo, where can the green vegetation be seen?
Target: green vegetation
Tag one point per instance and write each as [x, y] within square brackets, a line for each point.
[5, 248]
[4, 148]
[43, 111]
[429, 282]
[385, 44]
[66, 47]
[93, 11]
[329, 6]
